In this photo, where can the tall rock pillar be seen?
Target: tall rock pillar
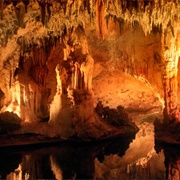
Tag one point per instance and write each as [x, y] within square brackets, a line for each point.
[170, 72]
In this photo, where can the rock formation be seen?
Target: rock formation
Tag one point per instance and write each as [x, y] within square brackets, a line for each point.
[51, 51]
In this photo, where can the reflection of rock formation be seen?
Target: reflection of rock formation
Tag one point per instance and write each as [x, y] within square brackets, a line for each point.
[172, 161]
[139, 161]
[75, 163]
[35, 166]
[32, 166]
[172, 164]
[116, 146]
[9, 162]
[66, 162]
[56, 169]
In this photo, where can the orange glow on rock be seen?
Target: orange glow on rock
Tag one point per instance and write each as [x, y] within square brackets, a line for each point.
[145, 81]
[170, 81]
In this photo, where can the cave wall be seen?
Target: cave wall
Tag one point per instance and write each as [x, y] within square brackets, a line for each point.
[129, 50]
[120, 36]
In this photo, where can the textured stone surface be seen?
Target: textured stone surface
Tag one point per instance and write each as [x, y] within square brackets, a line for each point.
[59, 58]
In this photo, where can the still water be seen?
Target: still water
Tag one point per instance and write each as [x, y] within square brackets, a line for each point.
[136, 157]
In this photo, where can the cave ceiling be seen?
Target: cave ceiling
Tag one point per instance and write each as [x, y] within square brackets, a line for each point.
[54, 18]
[28, 23]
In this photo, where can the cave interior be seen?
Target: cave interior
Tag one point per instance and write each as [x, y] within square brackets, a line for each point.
[75, 68]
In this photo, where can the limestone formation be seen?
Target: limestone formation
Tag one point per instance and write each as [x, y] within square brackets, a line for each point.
[50, 49]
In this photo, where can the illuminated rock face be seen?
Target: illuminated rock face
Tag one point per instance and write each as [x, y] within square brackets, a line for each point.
[49, 51]
[170, 83]
[73, 99]
[170, 74]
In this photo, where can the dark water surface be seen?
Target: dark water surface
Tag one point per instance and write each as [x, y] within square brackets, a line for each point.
[136, 157]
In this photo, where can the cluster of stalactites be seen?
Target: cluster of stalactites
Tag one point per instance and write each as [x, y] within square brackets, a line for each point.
[149, 14]
[36, 19]
[51, 18]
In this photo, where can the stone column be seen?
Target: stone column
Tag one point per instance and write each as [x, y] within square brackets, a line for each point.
[170, 84]
[169, 77]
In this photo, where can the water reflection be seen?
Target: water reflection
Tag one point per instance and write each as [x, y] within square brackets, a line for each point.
[8, 162]
[136, 157]
[65, 161]
[140, 160]
[172, 160]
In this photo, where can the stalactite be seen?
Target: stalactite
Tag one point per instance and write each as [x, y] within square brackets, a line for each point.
[92, 10]
[8, 23]
[76, 66]
[100, 18]
[153, 13]
[44, 13]
[74, 10]
[140, 5]
[1, 99]
[68, 7]
[1, 9]
[20, 11]
[77, 6]
[87, 6]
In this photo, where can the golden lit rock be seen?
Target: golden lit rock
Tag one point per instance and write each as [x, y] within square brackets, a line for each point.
[50, 49]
